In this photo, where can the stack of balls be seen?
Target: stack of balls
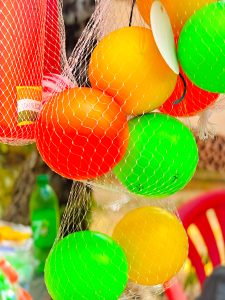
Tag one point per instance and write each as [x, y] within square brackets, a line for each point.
[83, 133]
[148, 246]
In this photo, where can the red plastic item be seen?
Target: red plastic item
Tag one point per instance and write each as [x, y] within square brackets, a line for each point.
[24, 295]
[194, 212]
[195, 100]
[73, 133]
[22, 49]
[52, 54]
[176, 292]
[30, 46]
[8, 270]
[13, 278]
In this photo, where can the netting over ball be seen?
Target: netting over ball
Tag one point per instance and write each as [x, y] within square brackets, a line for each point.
[91, 131]
[148, 231]
[114, 126]
[108, 118]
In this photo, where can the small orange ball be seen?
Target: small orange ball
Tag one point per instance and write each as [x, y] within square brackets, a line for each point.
[179, 10]
[82, 133]
[127, 65]
[155, 243]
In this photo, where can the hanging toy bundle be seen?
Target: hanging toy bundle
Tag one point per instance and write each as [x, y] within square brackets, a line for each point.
[109, 119]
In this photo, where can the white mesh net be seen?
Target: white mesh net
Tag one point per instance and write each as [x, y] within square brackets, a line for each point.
[30, 49]
[109, 120]
[100, 210]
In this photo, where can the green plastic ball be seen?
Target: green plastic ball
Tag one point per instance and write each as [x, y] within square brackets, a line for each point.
[161, 158]
[86, 265]
[201, 48]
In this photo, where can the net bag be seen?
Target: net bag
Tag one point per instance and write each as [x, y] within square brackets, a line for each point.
[110, 121]
[138, 75]
[108, 249]
[30, 48]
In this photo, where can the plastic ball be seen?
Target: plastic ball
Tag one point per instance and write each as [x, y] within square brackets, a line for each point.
[81, 133]
[179, 11]
[155, 244]
[201, 47]
[86, 265]
[161, 157]
[127, 65]
[195, 100]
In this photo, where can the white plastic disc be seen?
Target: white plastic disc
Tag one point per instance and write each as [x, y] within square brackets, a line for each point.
[163, 35]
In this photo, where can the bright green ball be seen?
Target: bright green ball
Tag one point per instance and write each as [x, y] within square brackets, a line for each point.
[86, 265]
[161, 158]
[201, 48]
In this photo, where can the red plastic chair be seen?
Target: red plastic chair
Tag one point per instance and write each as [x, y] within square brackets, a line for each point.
[194, 212]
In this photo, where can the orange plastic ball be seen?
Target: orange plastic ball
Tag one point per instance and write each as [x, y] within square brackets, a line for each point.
[178, 10]
[82, 133]
[127, 65]
[155, 243]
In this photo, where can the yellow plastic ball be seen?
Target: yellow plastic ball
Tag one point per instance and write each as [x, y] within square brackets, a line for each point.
[155, 243]
[127, 65]
[178, 10]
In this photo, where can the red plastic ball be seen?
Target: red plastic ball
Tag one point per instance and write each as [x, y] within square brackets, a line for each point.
[194, 101]
[82, 133]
